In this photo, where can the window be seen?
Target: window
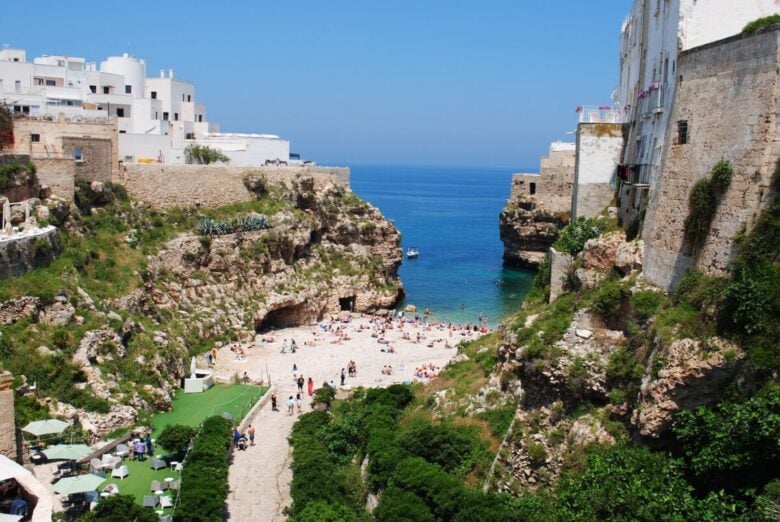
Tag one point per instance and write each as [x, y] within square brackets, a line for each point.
[78, 154]
[176, 116]
[18, 85]
[682, 132]
[106, 89]
[50, 83]
[35, 138]
[128, 89]
[93, 89]
[189, 98]
[190, 136]
[156, 115]
[120, 112]
[165, 115]
[122, 132]
[200, 118]
[532, 188]
[183, 97]
[154, 95]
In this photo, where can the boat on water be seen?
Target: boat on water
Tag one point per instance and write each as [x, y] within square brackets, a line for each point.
[412, 253]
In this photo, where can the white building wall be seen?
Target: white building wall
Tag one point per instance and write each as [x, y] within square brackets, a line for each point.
[598, 153]
[144, 147]
[131, 69]
[248, 150]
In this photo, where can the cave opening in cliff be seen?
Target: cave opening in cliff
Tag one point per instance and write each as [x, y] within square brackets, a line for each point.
[347, 304]
[292, 315]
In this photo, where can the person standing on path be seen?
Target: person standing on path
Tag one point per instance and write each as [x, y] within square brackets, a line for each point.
[301, 382]
[343, 376]
[251, 433]
[214, 355]
[236, 436]
[311, 387]
[290, 405]
[273, 402]
[284, 346]
[298, 402]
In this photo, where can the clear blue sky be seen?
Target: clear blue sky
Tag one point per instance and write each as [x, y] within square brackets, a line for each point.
[442, 82]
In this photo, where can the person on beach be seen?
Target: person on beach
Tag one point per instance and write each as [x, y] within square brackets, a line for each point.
[245, 378]
[295, 368]
[236, 436]
[290, 405]
[251, 432]
[311, 387]
[273, 402]
[298, 402]
[301, 382]
[284, 346]
[208, 359]
[293, 346]
[343, 376]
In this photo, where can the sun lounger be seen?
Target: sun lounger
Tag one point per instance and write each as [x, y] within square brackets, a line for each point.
[173, 485]
[155, 486]
[95, 465]
[151, 501]
[121, 472]
[166, 501]
[158, 464]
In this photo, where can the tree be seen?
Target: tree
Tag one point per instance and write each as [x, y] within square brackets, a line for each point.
[204, 155]
[176, 438]
[120, 508]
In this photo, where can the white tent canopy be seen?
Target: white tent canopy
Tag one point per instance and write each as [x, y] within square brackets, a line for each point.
[10, 469]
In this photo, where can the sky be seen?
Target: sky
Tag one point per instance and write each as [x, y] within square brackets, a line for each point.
[486, 83]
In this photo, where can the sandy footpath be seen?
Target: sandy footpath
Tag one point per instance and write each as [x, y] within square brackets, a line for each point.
[260, 476]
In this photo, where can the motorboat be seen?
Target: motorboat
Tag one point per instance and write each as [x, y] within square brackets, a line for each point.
[412, 253]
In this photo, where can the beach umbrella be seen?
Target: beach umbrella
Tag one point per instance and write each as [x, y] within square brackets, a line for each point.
[46, 427]
[10, 469]
[67, 451]
[80, 484]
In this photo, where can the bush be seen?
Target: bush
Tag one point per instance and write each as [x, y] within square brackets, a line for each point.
[176, 438]
[119, 508]
[439, 444]
[398, 505]
[573, 238]
[623, 366]
[645, 303]
[766, 21]
[609, 299]
[320, 511]
[703, 203]
[204, 479]
[324, 395]
[204, 155]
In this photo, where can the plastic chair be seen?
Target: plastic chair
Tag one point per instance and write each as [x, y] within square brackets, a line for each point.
[121, 472]
[151, 501]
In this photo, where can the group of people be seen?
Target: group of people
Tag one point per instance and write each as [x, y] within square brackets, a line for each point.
[387, 369]
[427, 371]
[240, 440]
[142, 447]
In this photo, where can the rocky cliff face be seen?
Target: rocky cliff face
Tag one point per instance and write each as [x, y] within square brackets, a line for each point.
[527, 231]
[324, 250]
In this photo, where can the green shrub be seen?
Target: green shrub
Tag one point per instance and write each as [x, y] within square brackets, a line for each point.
[204, 155]
[440, 444]
[204, 484]
[499, 419]
[176, 438]
[609, 299]
[572, 239]
[537, 453]
[645, 303]
[398, 505]
[319, 511]
[765, 21]
[703, 203]
[324, 395]
[623, 366]
[119, 508]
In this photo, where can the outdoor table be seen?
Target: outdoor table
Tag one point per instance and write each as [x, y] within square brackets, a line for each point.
[168, 479]
[159, 492]
[174, 463]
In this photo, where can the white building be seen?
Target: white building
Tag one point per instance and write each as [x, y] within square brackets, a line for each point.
[651, 37]
[157, 118]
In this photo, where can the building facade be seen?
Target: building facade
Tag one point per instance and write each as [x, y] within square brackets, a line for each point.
[156, 118]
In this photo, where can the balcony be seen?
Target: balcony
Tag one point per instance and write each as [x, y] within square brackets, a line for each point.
[600, 114]
[635, 174]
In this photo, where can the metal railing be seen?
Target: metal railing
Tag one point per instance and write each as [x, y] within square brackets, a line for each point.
[600, 114]
[635, 174]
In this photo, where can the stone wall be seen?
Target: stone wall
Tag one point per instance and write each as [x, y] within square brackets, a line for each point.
[20, 254]
[98, 156]
[58, 174]
[727, 92]
[599, 146]
[7, 425]
[163, 185]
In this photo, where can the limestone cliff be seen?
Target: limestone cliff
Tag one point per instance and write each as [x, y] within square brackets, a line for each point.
[107, 331]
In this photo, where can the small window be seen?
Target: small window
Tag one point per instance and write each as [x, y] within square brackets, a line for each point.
[154, 95]
[50, 83]
[165, 115]
[128, 89]
[35, 138]
[189, 98]
[532, 188]
[682, 132]
[106, 89]
[122, 132]
[175, 116]
[156, 115]
[120, 112]
[200, 118]
[78, 154]
[183, 97]
[93, 89]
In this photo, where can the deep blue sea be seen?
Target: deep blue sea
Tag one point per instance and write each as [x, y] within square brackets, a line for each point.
[451, 215]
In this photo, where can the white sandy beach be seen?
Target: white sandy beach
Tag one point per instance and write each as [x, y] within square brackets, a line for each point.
[260, 476]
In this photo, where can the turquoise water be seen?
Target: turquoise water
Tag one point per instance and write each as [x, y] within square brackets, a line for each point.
[451, 215]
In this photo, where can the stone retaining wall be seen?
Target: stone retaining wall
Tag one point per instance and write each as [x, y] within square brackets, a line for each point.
[165, 185]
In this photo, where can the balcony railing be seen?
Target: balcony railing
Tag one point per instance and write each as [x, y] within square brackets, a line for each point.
[635, 174]
[600, 114]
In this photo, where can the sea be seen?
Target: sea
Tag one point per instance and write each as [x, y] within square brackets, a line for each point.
[450, 215]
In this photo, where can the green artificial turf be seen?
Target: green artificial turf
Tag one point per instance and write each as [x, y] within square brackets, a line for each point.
[193, 408]
[190, 409]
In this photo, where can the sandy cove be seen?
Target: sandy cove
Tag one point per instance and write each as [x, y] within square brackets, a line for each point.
[260, 476]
